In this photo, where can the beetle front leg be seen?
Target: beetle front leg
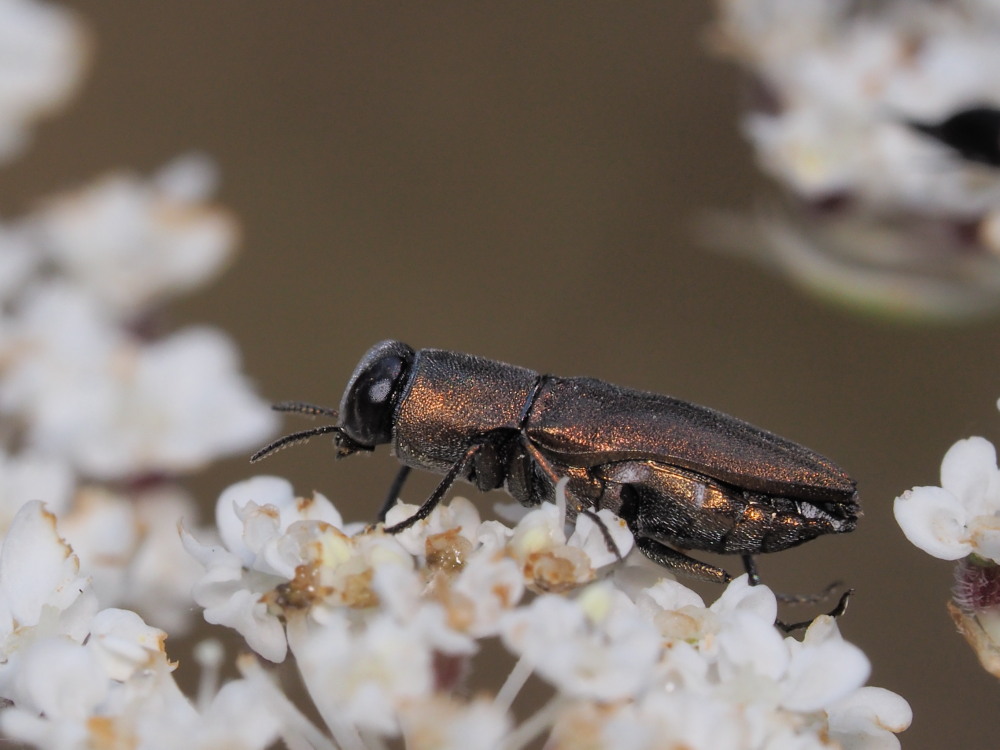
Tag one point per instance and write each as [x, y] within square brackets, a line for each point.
[439, 492]
[393, 495]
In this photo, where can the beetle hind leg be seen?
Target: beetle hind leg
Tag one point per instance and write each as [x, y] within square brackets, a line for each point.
[670, 558]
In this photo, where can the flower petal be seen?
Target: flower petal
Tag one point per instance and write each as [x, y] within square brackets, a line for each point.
[969, 472]
[934, 520]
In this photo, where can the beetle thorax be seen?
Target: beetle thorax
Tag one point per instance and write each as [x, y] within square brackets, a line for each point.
[453, 399]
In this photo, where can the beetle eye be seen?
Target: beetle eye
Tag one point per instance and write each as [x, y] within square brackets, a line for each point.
[380, 390]
[367, 406]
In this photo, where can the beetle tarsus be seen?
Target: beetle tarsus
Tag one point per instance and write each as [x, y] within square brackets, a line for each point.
[836, 612]
[822, 596]
[751, 568]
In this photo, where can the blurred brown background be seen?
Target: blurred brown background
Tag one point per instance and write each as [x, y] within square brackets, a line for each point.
[522, 181]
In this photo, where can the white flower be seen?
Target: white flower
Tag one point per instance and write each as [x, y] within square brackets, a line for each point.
[41, 591]
[283, 555]
[19, 259]
[458, 514]
[42, 55]
[595, 646]
[587, 535]
[135, 244]
[68, 700]
[363, 677]
[438, 722]
[961, 516]
[252, 515]
[551, 562]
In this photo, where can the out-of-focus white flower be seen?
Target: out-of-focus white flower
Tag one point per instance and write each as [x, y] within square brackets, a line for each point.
[362, 677]
[69, 699]
[29, 476]
[135, 244]
[962, 516]
[438, 722]
[117, 406]
[42, 56]
[19, 258]
[880, 214]
[73, 677]
[131, 549]
[869, 719]
[846, 82]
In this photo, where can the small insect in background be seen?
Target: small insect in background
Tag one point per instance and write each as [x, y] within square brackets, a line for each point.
[973, 133]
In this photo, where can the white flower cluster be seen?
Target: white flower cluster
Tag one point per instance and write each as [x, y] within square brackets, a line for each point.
[960, 520]
[844, 83]
[101, 413]
[382, 628]
[82, 370]
[43, 54]
[880, 216]
[78, 676]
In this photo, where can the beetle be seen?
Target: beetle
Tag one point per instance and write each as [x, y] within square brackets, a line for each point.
[682, 476]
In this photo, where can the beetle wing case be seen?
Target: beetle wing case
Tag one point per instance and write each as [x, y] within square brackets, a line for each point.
[580, 420]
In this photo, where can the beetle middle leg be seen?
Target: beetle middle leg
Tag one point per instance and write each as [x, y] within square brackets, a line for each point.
[576, 486]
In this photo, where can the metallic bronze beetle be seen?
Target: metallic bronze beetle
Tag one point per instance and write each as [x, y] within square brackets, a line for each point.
[679, 474]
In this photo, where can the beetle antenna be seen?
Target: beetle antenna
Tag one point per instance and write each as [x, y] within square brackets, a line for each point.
[309, 410]
[295, 437]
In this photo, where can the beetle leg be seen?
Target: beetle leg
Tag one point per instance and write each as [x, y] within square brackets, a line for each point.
[836, 612]
[671, 558]
[543, 463]
[546, 466]
[439, 492]
[609, 542]
[751, 567]
[394, 489]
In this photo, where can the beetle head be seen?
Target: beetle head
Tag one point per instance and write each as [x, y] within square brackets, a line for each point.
[369, 401]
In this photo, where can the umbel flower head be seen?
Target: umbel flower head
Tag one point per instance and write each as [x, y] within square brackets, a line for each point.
[383, 629]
